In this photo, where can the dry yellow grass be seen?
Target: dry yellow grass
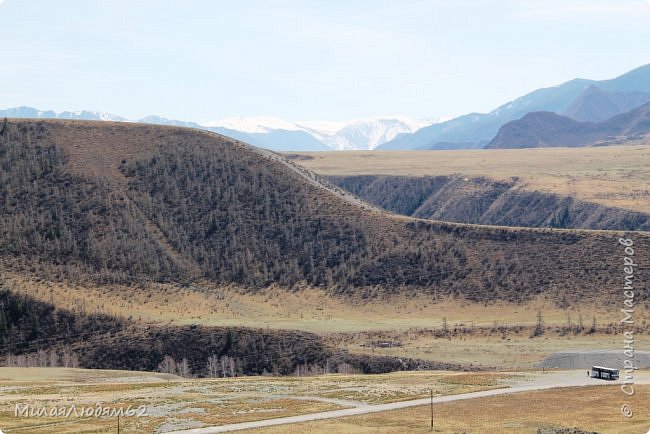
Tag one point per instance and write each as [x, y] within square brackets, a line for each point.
[173, 402]
[614, 176]
[168, 400]
[590, 409]
[508, 351]
[398, 319]
[29, 375]
[309, 309]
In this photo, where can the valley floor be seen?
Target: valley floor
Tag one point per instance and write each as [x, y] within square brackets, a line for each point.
[473, 402]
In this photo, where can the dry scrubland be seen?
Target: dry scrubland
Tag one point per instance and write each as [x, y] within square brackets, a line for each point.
[589, 409]
[307, 309]
[497, 334]
[508, 350]
[615, 176]
[176, 403]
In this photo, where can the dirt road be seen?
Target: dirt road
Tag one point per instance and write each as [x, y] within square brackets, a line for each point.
[541, 381]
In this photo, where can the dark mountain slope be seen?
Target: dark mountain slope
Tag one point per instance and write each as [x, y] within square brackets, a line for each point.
[597, 105]
[633, 123]
[70, 222]
[100, 202]
[479, 128]
[544, 129]
[486, 201]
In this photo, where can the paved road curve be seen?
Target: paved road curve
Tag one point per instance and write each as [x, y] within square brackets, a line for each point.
[538, 382]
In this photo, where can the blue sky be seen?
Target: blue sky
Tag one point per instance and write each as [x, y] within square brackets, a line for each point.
[307, 60]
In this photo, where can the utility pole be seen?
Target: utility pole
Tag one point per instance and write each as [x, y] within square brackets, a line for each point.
[431, 390]
[118, 424]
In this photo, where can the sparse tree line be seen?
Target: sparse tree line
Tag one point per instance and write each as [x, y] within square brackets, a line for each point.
[216, 366]
[226, 366]
[340, 362]
[394, 338]
[574, 327]
[223, 366]
[53, 358]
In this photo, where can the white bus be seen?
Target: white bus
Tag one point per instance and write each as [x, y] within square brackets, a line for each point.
[604, 373]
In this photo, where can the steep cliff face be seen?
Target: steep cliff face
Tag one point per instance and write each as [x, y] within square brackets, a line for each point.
[486, 201]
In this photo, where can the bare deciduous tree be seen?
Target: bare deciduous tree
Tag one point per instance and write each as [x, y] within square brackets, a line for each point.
[67, 358]
[168, 365]
[42, 358]
[54, 358]
[345, 368]
[183, 368]
[213, 366]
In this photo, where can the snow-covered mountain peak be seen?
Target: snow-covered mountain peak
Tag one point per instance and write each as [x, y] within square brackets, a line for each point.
[352, 134]
[259, 124]
[370, 133]
[271, 132]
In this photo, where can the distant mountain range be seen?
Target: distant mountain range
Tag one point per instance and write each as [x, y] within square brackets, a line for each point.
[32, 113]
[596, 105]
[579, 99]
[547, 129]
[554, 108]
[279, 134]
[266, 132]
